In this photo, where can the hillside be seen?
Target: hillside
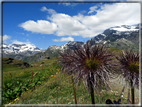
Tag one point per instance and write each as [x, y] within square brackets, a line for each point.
[9, 63]
[51, 86]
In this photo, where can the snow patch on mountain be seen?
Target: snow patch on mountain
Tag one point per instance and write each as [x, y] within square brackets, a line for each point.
[19, 48]
[125, 28]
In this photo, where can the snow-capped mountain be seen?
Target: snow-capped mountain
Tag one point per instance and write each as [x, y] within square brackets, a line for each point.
[113, 34]
[122, 37]
[51, 51]
[70, 44]
[19, 48]
[18, 51]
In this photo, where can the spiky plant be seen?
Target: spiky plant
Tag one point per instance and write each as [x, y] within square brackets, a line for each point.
[90, 63]
[130, 66]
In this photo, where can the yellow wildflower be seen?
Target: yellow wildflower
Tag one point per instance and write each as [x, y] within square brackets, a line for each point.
[10, 103]
[52, 75]
[42, 77]
[39, 82]
[56, 72]
[27, 89]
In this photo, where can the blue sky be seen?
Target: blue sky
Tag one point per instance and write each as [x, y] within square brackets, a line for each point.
[47, 24]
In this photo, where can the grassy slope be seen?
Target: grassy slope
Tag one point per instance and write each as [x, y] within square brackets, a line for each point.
[56, 87]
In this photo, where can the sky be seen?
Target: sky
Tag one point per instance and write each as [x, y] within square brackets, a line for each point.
[48, 24]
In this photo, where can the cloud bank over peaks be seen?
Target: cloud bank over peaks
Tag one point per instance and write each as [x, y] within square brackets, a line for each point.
[106, 16]
[7, 37]
[19, 42]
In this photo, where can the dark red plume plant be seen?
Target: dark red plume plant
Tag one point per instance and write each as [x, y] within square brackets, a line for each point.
[129, 61]
[92, 64]
[31, 77]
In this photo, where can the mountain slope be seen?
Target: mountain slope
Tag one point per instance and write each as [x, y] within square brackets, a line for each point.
[50, 52]
[122, 37]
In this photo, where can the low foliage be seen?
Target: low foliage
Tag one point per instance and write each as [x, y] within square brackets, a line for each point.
[49, 86]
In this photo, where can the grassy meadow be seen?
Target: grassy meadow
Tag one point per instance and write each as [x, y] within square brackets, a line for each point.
[45, 83]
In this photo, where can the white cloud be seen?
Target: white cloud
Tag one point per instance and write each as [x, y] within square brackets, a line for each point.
[41, 26]
[19, 42]
[92, 9]
[50, 11]
[63, 39]
[66, 4]
[83, 11]
[69, 4]
[113, 15]
[107, 16]
[6, 37]
[67, 25]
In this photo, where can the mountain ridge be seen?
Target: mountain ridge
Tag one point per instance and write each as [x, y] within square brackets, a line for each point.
[121, 37]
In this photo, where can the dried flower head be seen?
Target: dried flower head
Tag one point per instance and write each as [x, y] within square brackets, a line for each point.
[90, 63]
[130, 66]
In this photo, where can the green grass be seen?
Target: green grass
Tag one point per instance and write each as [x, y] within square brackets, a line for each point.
[50, 86]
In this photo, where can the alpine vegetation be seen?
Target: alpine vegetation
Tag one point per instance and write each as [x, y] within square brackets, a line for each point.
[130, 66]
[89, 63]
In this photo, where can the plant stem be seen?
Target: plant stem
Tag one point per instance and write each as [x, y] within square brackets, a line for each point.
[128, 100]
[10, 76]
[132, 93]
[31, 77]
[92, 89]
[74, 91]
